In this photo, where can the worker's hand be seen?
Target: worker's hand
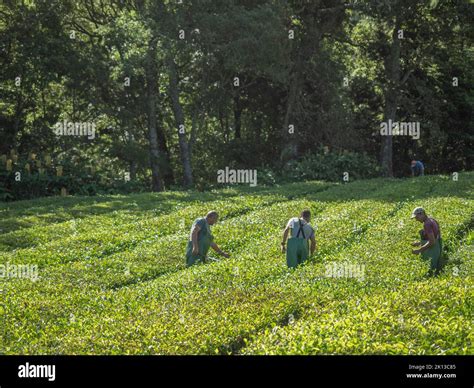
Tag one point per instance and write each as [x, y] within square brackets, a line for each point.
[226, 255]
[416, 244]
[416, 251]
[195, 251]
[283, 248]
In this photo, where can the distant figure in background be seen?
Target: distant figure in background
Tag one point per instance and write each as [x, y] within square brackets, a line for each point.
[301, 231]
[417, 168]
[201, 239]
[431, 244]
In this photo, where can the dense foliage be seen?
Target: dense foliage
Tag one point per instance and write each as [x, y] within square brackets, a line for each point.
[112, 275]
[178, 90]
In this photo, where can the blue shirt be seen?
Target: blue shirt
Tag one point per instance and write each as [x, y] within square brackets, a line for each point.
[418, 168]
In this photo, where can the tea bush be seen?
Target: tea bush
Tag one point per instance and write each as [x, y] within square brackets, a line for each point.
[113, 279]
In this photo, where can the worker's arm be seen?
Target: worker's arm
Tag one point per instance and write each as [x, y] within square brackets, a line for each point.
[428, 244]
[285, 237]
[218, 250]
[313, 244]
[194, 239]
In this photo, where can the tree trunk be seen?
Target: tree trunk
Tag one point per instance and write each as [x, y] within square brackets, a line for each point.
[165, 160]
[309, 44]
[237, 117]
[151, 81]
[391, 95]
[290, 150]
[387, 141]
[194, 125]
[133, 170]
[179, 118]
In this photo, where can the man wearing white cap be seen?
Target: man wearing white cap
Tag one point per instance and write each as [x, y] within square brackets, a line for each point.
[430, 244]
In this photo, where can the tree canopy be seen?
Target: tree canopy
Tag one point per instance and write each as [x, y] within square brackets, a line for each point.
[173, 91]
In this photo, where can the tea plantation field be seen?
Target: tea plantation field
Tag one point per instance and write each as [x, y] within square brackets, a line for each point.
[112, 276]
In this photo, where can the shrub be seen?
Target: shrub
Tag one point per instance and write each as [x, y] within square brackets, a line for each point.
[44, 182]
[330, 166]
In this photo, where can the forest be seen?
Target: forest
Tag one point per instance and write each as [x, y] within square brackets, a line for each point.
[109, 96]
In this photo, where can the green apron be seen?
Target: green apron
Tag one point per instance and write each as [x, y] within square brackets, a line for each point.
[297, 250]
[204, 243]
[434, 254]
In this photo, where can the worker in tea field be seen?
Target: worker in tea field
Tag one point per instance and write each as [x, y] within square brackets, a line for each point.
[300, 232]
[430, 244]
[201, 239]
[417, 168]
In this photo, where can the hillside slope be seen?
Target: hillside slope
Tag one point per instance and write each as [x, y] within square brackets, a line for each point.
[112, 278]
